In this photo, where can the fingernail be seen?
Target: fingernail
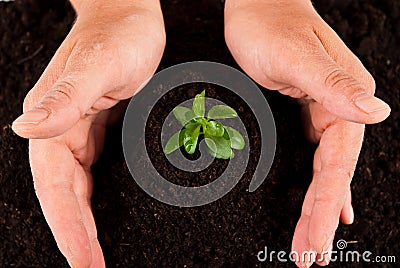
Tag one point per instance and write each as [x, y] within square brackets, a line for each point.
[311, 258]
[372, 105]
[328, 243]
[351, 216]
[34, 116]
[328, 256]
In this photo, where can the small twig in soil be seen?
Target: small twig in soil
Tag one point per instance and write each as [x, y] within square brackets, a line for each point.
[31, 56]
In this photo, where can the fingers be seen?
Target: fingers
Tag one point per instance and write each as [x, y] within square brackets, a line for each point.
[329, 196]
[347, 213]
[55, 188]
[306, 253]
[301, 242]
[83, 189]
[334, 165]
[301, 245]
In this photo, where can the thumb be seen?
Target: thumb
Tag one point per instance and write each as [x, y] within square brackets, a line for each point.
[338, 91]
[58, 110]
[60, 99]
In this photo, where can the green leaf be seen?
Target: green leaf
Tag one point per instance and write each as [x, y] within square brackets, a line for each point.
[199, 105]
[173, 143]
[237, 140]
[192, 124]
[214, 128]
[221, 112]
[219, 147]
[183, 114]
[190, 138]
[212, 148]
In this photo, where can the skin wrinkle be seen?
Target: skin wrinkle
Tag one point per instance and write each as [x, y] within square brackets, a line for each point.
[327, 46]
[69, 241]
[334, 78]
[37, 92]
[297, 51]
[357, 69]
[82, 188]
[86, 75]
[284, 45]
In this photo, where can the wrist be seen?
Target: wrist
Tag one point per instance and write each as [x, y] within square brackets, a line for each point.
[240, 3]
[84, 7]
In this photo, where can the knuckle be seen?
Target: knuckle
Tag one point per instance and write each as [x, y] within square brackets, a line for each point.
[340, 168]
[63, 91]
[327, 199]
[337, 78]
[42, 188]
[96, 42]
[342, 83]
[343, 170]
[96, 50]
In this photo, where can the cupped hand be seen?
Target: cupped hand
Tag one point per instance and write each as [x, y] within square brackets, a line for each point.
[110, 53]
[286, 46]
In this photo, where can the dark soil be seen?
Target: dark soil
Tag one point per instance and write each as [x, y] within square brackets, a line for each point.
[136, 230]
[194, 179]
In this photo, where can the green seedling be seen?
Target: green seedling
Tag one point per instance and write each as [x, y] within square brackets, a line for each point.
[220, 140]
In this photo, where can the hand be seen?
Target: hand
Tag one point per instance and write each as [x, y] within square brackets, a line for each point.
[286, 46]
[111, 51]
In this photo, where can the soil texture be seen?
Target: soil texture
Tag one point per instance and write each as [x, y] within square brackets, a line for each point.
[136, 230]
